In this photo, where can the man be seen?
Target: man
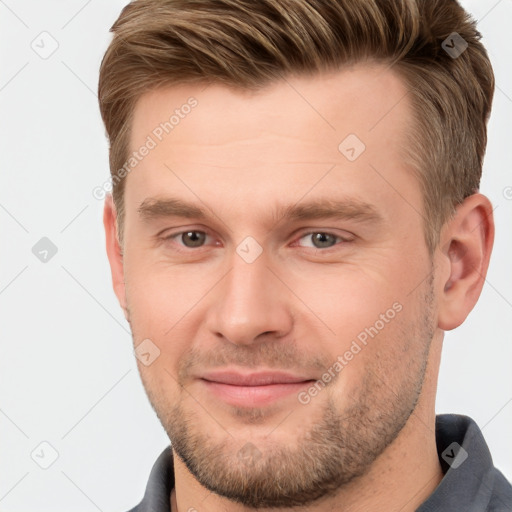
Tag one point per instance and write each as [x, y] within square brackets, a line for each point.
[295, 222]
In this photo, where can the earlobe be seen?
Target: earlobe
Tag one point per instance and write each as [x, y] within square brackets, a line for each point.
[114, 251]
[466, 245]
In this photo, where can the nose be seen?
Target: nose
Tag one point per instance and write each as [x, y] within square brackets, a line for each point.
[250, 304]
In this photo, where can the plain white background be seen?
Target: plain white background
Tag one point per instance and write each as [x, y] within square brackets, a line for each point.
[67, 372]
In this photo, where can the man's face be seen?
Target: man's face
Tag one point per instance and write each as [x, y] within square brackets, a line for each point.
[308, 261]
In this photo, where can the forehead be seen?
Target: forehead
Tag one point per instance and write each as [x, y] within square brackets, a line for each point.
[321, 108]
[214, 139]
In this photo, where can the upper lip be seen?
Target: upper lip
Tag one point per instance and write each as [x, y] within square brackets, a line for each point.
[261, 378]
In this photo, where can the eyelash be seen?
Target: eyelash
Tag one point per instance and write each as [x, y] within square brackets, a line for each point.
[182, 248]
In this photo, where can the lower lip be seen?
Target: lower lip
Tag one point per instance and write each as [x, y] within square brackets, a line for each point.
[250, 396]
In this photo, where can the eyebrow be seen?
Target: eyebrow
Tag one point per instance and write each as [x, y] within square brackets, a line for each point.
[342, 209]
[154, 208]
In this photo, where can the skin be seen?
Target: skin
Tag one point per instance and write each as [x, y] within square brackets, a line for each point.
[366, 441]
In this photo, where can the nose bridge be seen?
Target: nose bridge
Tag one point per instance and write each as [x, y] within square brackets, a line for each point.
[247, 303]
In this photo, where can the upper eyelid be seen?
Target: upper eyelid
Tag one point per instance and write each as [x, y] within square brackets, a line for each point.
[167, 233]
[207, 232]
[334, 233]
[324, 232]
[177, 234]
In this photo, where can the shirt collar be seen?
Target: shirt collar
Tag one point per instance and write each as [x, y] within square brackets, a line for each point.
[470, 482]
[157, 497]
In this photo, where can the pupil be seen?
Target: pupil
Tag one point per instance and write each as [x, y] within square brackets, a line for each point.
[193, 238]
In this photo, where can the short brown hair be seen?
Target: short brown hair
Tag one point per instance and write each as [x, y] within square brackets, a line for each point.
[249, 44]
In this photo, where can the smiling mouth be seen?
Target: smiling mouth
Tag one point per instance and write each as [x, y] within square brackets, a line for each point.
[255, 389]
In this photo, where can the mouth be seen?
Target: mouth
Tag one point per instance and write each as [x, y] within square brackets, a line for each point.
[253, 389]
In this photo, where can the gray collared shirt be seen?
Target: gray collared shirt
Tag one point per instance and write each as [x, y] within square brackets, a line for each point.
[471, 483]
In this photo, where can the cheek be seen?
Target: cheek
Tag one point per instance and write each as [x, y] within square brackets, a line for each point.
[348, 299]
[166, 306]
[160, 294]
[369, 319]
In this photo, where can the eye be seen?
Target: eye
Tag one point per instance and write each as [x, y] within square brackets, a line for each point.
[190, 239]
[320, 240]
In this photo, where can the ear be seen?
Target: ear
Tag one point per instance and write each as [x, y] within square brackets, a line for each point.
[466, 245]
[114, 251]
